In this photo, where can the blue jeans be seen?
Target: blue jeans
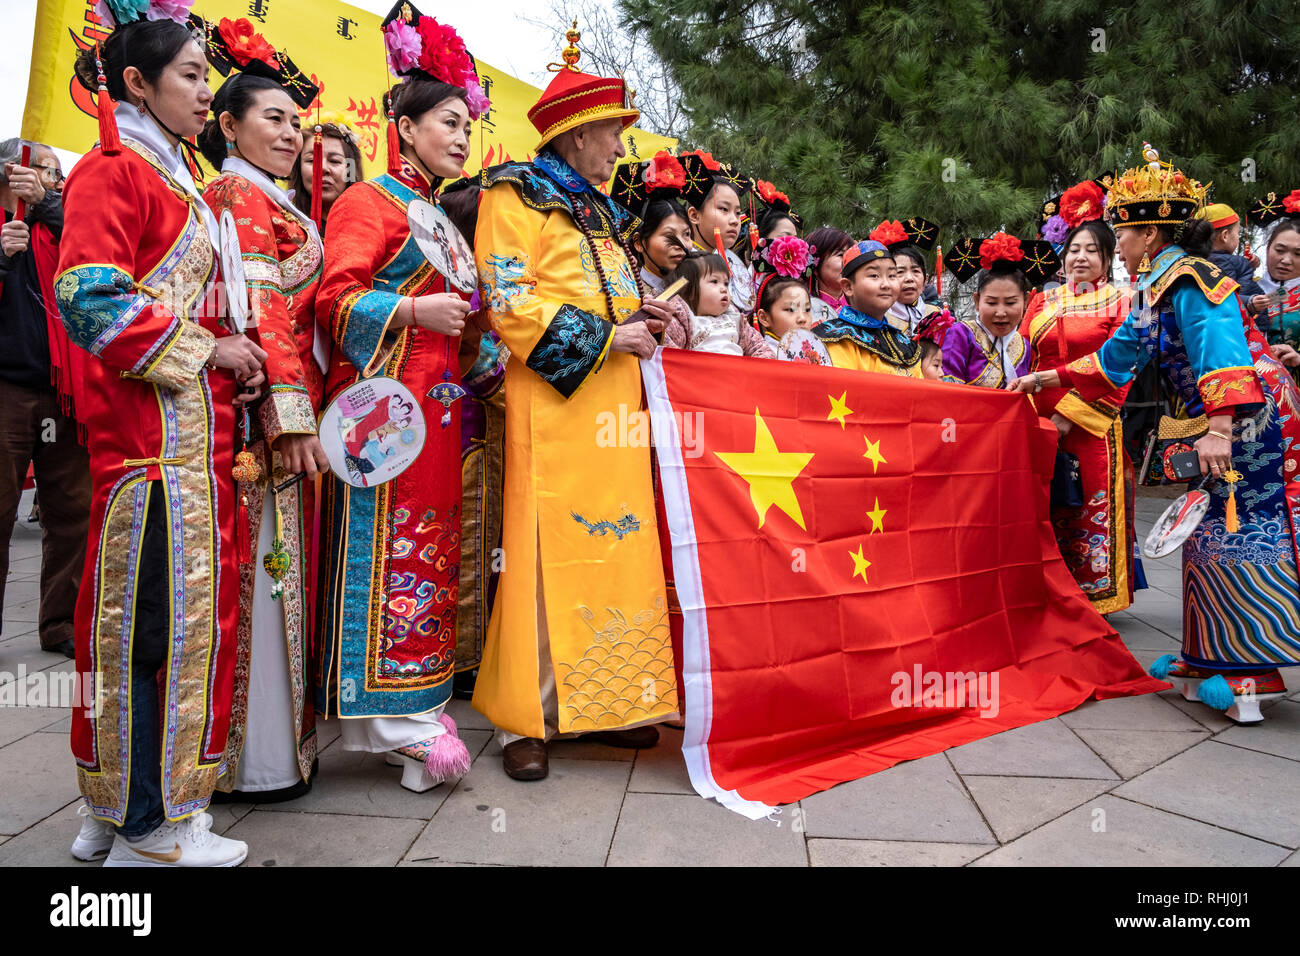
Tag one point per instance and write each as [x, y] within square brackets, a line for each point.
[150, 642]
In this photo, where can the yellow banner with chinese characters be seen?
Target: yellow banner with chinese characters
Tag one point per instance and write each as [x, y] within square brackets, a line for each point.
[339, 46]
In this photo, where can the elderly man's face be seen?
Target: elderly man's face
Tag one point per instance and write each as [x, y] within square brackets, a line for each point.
[597, 147]
[47, 164]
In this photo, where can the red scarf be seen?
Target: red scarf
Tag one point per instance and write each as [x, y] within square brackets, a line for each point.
[67, 362]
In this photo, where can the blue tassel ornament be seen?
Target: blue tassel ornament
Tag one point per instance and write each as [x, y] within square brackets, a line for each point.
[1160, 669]
[1216, 693]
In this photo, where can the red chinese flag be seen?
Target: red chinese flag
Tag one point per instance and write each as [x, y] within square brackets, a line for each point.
[866, 571]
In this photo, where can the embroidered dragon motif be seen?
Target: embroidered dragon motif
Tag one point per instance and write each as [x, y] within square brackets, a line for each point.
[621, 528]
[508, 286]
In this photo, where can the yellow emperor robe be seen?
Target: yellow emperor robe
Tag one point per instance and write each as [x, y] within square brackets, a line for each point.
[579, 504]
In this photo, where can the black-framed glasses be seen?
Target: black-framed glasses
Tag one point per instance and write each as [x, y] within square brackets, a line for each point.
[51, 173]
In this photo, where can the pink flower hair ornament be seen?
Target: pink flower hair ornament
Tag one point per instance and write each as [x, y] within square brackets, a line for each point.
[789, 256]
[419, 47]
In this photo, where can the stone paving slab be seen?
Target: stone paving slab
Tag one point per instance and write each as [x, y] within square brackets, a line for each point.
[39, 777]
[1137, 633]
[918, 801]
[20, 721]
[702, 834]
[1148, 712]
[323, 839]
[47, 842]
[661, 769]
[1131, 752]
[1044, 749]
[354, 782]
[1279, 734]
[567, 819]
[1251, 793]
[1133, 835]
[1015, 805]
[25, 651]
[827, 852]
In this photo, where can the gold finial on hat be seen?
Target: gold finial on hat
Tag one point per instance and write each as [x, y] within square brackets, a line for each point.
[570, 54]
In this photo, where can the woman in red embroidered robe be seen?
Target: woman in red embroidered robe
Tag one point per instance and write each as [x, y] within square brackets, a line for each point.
[158, 607]
[392, 552]
[1062, 324]
[273, 728]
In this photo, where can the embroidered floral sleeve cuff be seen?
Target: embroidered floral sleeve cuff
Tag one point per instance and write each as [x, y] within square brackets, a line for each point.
[361, 319]
[286, 410]
[129, 326]
[572, 349]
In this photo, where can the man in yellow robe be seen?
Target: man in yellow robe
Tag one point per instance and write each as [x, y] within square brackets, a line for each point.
[579, 638]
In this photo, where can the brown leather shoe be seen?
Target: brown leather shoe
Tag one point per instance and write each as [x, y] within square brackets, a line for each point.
[525, 759]
[637, 738]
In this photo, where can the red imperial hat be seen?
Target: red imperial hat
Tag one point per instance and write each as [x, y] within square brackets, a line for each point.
[575, 98]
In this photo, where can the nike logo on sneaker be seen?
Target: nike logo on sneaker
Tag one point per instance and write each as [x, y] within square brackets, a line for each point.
[172, 857]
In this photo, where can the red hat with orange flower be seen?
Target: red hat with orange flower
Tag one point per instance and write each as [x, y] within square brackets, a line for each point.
[635, 184]
[1003, 253]
[575, 98]
[234, 45]
[907, 232]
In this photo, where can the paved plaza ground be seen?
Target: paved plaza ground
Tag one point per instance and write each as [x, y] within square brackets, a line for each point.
[1151, 780]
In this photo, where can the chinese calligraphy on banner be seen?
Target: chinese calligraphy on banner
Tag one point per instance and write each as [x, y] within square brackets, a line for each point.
[339, 46]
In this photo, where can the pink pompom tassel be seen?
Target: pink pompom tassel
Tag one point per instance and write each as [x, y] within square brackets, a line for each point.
[448, 757]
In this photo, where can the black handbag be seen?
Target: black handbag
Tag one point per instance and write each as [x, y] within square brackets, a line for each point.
[1067, 482]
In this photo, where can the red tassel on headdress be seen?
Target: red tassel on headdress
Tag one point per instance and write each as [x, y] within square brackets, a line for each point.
[394, 142]
[109, 144]
[317, 162]
[938, 269]
[722, 250]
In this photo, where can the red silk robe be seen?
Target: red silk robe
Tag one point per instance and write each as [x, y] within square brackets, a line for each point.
[391, 553]
[1096, 539]
[282, 267]
[133, 275]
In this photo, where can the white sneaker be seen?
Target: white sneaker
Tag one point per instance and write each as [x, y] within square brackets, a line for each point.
[188, 842]
[95, 838]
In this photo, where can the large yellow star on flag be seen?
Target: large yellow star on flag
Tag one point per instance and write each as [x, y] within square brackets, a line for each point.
[877, 516]
[839, 409]
[873, 454]
[860, 564]
[769, 472]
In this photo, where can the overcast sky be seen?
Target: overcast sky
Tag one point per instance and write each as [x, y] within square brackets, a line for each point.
[494, 31]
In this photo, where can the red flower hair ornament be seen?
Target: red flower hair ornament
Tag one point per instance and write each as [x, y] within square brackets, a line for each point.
[1000, 247]
[443, 53]
[1291, 203]
[888, 233]
[1082, 203]
[664, 172]
[770, 194]
[711, 164]
[245, 44]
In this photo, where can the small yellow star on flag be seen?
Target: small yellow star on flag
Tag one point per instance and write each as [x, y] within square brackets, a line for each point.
[769, 472]
[839, 409]
[860, 564]
[873, 454]
[877, 516]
